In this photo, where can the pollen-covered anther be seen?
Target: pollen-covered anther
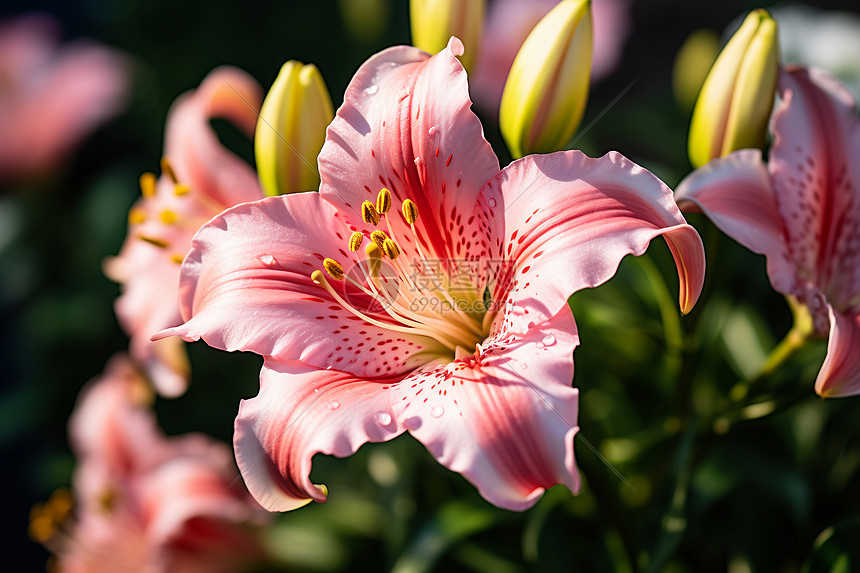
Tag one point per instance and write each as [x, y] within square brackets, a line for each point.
[181, 189]
[410, 211]
[136, 216]
[383, 201]
[168, 217]
[369, 213]
[390, 248]
[355, 241]
[167, 169]
[45, 518]
[333, 268]
[378, 237]
[147, 184]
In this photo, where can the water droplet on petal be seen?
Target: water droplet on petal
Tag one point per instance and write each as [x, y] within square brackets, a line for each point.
[268, 260]
[432, 130]
[491, 202]
[372, 89]
[333, 405]
[383, 418]
[548, 340]
[417, 160]
[524, 365]
[437, 411]
[539, 345]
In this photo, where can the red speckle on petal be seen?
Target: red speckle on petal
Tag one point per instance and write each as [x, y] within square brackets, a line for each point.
[448, 162]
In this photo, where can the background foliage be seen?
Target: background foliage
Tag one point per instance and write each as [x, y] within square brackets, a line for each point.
[691, 463]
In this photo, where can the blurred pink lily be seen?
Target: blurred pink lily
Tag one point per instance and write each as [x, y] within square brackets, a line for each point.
[801, 210]
[453, 323]
[144, 502]
[200, 178]
[51, 97]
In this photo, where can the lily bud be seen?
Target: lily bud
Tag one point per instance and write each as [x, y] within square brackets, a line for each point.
[291, 130]
[435, 21]
[547, 87]
[737, 97]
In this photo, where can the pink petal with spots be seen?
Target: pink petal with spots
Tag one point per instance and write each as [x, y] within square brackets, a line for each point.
[505, 419]
[815, 165]
[840, 373]
[239, 292]
[406, 124]
[735, 193]
[299, 412]
[566, 220]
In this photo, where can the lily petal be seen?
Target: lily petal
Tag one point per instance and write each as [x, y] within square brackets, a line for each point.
[816, 174]
[505, 419]
[566, 221]
[318, 411]
[406, 124]
[840, 373]
[239, 293]
[193, 148]
[736, 195]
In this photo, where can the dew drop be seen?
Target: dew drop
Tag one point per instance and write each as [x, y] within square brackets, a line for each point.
[383, 418]
[524, 365]
[548, 340]
[491, 202]
[432, 130]
[372, 89]
[539, 346]
[333, 405]
[437, 411]
[268, 260]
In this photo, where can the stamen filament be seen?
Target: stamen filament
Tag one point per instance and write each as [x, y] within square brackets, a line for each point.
[318, 278]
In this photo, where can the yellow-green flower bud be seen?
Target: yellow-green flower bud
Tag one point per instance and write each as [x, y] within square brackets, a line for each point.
[291, 130]
[547, 87]
[435, 21]
[737, 97]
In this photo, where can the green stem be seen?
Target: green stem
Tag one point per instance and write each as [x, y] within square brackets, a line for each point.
[796, 337]
[668, 307]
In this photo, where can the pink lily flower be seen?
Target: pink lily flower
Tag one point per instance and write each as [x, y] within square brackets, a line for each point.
[145, 502]
[200, 179]
[801, 211]
[51, 97]
[455, 326]
[508, 22]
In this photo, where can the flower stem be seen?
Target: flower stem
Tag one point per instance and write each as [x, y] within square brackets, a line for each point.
[796, 337]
